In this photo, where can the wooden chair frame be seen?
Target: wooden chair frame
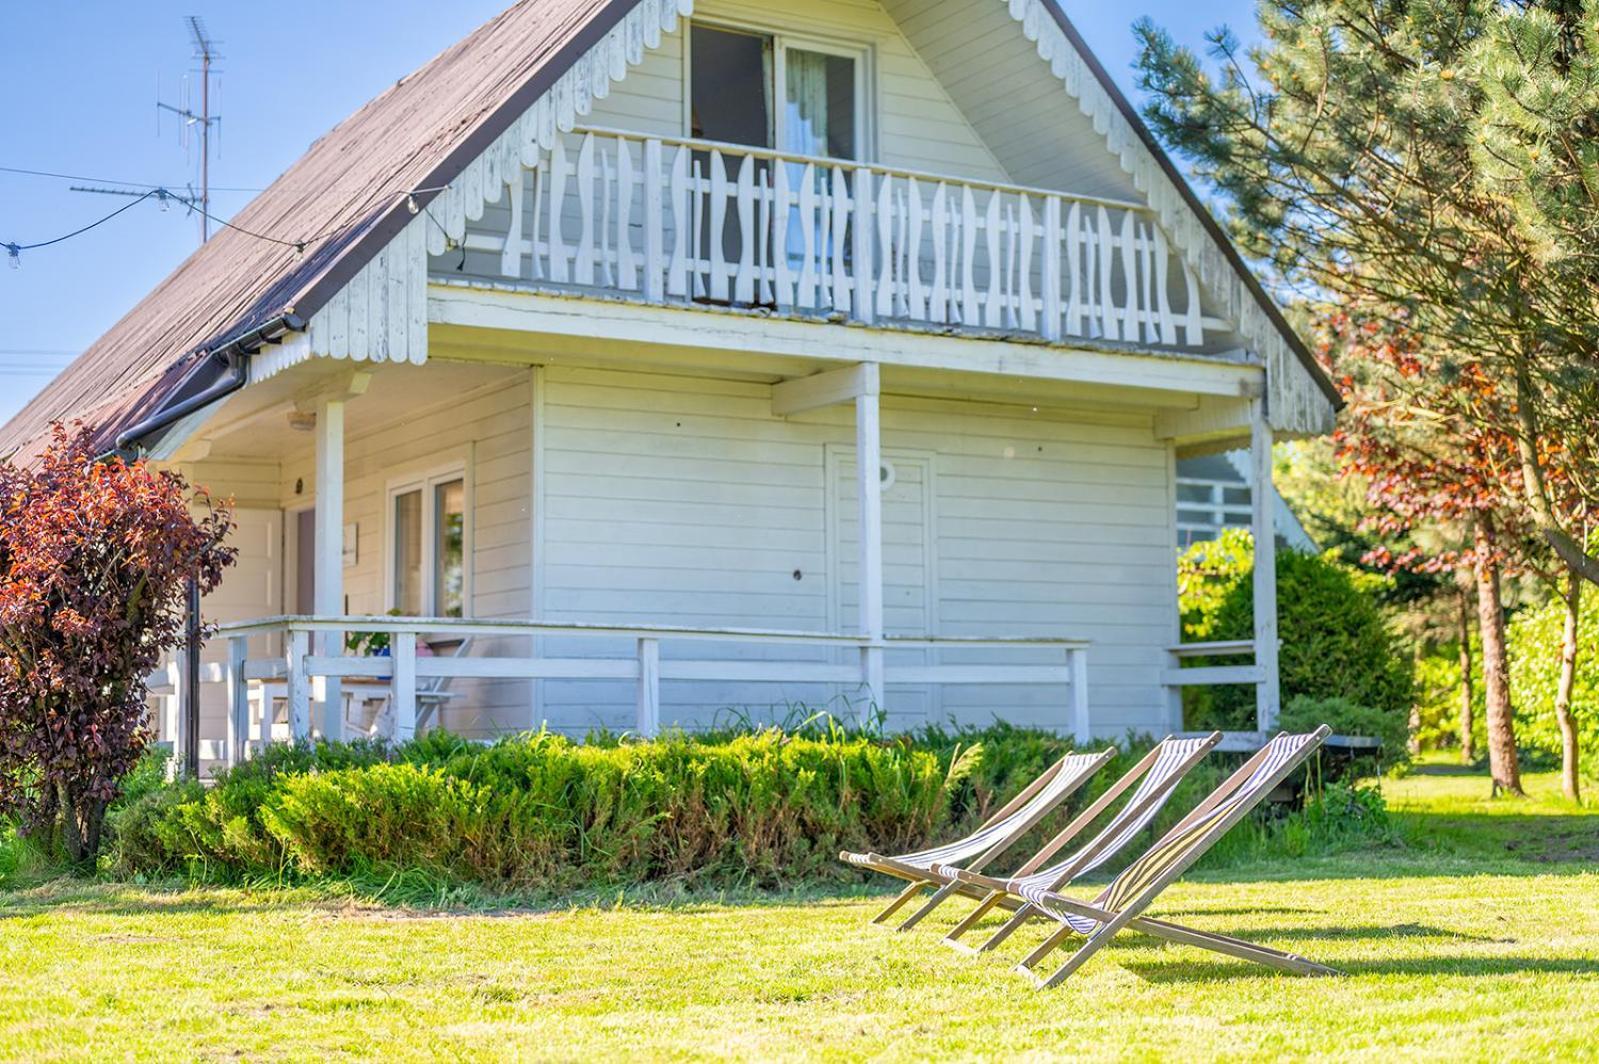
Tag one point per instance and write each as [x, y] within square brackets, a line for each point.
[1130, 915]
[996, 893]
[921, 878]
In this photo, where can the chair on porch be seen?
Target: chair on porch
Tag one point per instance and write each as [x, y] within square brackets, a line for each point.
[432, 693]
[1121, 904]
[1013, 820]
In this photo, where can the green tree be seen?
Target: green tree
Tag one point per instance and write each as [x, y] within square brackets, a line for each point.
[1411, 162]
[1336, 642]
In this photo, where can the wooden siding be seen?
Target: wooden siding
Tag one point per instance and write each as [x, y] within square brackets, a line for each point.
[488, 432]
[683, 499]
[918, 126]
[1013, 101]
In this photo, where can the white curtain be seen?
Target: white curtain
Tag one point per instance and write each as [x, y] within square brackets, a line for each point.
[805, 128]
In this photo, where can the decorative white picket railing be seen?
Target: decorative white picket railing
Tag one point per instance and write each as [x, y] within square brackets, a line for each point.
[298, 673]
[678, 220]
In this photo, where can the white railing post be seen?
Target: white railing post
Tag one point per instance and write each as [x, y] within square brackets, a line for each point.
[299, 648]
[654, 224]
[170, 716]
[649, 687]
[402, 685]
[238, 699]
[864, 232]
[1077, 661]
[869, 463]
[1267, 695]
[871, 681]
[329, 549]
[179, 678]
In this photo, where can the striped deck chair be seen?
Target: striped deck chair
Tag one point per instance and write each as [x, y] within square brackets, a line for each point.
[1121, 904]
[1157, 775]
[1013, 820]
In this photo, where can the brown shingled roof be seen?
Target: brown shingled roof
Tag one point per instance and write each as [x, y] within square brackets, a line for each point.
[345, 198]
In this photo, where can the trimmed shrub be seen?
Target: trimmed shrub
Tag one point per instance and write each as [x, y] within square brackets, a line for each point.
[1304, 713]
[538, 812]
[1336, 643]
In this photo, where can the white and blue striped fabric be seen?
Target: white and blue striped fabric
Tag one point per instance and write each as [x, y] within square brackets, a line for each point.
[1137, 876]
[1074, 769]
[1124, 826]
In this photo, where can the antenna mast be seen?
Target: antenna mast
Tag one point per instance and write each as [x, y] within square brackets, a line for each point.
[205, 51]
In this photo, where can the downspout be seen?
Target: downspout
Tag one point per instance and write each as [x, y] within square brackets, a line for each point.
[235, 355]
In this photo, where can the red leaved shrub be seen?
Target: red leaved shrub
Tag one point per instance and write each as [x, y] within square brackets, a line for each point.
[95, 559]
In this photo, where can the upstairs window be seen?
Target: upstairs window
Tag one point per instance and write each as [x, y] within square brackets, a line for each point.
[772, 91]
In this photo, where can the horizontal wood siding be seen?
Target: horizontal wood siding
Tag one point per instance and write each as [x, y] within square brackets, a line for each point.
[682, 500]
[918, 125]
[489, 432]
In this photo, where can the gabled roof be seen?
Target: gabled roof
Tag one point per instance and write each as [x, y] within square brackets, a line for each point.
[346, 198]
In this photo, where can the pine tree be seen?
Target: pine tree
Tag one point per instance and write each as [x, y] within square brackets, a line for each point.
[1425, 164]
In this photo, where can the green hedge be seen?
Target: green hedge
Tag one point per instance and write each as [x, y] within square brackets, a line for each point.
[1336, 643]
[541, 813]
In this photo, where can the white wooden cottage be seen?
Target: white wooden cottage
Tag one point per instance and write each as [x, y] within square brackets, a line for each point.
[680, 361]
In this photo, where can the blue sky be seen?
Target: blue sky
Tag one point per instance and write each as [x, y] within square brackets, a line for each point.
[79, 86]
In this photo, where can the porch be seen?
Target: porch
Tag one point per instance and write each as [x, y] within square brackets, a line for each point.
[299, 695]
[613, 570]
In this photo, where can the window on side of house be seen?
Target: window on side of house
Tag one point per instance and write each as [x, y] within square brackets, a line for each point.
[427, 546]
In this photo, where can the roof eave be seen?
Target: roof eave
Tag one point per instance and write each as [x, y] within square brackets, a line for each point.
[1206, 219]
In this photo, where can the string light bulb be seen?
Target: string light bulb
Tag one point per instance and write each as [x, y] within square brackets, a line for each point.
[14, 254]
[411, 203]
[163, 199]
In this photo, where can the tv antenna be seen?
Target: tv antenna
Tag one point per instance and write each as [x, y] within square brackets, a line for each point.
[205, 50]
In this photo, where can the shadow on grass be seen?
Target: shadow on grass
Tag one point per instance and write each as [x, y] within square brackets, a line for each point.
[1360, 932]
[341, 897]
[1471, 967]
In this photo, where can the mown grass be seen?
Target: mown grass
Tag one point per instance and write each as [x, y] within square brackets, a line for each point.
[1475, 938]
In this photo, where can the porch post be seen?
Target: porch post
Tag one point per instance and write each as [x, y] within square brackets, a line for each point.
[868, 463]
[1267, 694]
[329, 550]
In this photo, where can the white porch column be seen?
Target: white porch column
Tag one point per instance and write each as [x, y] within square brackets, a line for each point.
[1268, 697]
[329, 562]
[868, 464]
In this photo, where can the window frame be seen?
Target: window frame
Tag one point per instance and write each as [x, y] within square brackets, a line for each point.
[865, 78]
[427, 483]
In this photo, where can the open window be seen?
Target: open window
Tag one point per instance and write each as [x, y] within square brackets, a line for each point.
[774, 91]
[427, 546]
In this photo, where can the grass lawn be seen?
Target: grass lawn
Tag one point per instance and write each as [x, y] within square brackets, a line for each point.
[1477, 939]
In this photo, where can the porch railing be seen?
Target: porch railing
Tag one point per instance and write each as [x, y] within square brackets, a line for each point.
[680, 220]
[304, 674]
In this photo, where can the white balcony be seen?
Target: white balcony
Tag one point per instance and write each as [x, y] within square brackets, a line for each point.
[667, 220]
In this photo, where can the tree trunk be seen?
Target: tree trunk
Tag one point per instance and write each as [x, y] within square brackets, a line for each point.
[1503, 765]
[1468, 694]
[1568, 680]
[81, 821]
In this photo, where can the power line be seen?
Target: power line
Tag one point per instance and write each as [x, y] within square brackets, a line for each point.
[311, 186]
[15, 250]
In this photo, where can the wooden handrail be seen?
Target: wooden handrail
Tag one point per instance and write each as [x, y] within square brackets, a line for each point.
[829, 162]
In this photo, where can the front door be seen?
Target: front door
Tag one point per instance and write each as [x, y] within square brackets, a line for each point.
[304, 562]
[909, 581]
